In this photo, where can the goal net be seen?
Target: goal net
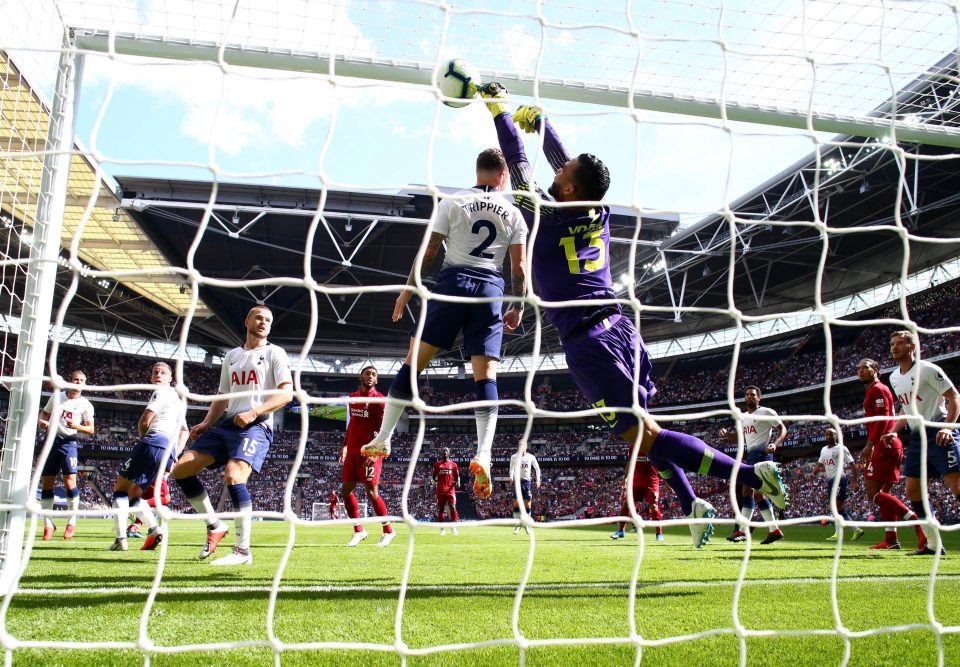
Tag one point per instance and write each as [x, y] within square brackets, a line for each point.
[783, 198]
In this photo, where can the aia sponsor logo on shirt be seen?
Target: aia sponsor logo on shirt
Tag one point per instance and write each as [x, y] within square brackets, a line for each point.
[245, 377]
[750, 430]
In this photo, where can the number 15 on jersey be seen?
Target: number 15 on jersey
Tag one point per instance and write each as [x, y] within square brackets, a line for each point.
[577, 265]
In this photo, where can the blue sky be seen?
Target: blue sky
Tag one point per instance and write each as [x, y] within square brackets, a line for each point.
[175, 120]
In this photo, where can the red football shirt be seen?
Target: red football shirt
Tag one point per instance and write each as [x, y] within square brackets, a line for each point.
[878, 403]
[446, 473]
[644, 474]
[365, 420]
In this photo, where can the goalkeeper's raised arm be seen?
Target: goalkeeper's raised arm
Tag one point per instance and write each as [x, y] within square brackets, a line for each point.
[531, 119]
[521, 174]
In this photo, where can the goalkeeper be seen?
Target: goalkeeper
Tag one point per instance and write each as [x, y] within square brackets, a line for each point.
[570, 261]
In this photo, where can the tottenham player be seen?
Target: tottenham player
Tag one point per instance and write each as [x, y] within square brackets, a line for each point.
[834, 457]
[75, 416]
[237, 432]
[937, 401]
[645, 489]
[758, 424]
[163, 433]
[362, 426]
[480, 227]
[570, 259]
[446, 475]
[881, 458]
[522, 465]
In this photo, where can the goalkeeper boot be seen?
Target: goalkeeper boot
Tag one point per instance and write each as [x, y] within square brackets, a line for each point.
[213, 539]
[238, 557]
[376, 449]
[152, 540]
[358, 538]
[69, 531]
[857, 534]
[480, 469]
[702, 531]
[772, 485]
[119, 544]
[619, 535]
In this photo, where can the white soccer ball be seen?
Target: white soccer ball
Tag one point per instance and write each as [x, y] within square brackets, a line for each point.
[459, 80]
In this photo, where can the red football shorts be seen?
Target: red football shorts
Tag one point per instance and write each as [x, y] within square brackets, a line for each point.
[884, 466]
[646, 494]
[359, 468]
[446, 498]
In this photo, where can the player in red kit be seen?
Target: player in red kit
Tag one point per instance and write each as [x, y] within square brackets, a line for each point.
[882, 459]
[363, 424]
[646, 489]
[446, 476]
[334, 514]
[133, 530]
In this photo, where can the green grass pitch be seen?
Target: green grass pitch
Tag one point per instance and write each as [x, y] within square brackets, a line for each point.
[462, 590]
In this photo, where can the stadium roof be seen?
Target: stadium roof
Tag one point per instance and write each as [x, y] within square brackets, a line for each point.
[256, 241]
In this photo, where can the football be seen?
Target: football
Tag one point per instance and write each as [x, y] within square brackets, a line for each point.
[458, 80]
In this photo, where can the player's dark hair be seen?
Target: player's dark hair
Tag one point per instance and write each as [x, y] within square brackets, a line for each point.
[754, 387]
[491, 159]
[592, 177]
[870, 363]
[366, 368]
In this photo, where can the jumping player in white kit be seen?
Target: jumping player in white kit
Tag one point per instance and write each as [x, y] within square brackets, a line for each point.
[481, 227]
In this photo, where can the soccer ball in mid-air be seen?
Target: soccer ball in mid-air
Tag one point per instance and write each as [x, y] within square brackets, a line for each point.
[458, 79]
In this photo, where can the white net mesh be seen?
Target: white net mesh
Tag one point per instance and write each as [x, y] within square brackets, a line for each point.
[260, 93]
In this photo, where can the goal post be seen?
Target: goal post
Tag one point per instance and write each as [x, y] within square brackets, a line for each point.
[35, 318]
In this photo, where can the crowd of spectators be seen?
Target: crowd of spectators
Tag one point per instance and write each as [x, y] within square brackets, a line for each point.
[566, 491]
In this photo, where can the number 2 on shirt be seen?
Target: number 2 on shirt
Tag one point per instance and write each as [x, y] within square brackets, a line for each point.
[589, 265]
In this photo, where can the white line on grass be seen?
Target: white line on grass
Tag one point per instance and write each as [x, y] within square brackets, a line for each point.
[333, 588]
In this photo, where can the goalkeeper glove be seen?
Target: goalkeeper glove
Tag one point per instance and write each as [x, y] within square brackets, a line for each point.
[496, 94]
[526, 118]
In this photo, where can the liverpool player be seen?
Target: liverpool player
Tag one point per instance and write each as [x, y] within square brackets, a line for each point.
[362, 427]
[882, 458]
[446, 476]
[150, 496]
[646, 489]
[758, 424]
[237, 432]
[163, 433]
[481, 227]
[570, 259]
[937, 401]
[75, 416]
[334, 501]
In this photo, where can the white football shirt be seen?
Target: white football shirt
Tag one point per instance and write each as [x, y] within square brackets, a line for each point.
[757, 427]
[169, 413]
[78, 409]
[254, 372]
[480, 227]
[525, 464]
[834, 459]
[930, 383]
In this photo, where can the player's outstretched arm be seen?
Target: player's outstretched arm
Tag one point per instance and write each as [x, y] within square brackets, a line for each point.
[518, 280]
[521, 175]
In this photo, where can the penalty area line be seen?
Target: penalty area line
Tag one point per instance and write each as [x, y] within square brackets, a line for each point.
[428, 588]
